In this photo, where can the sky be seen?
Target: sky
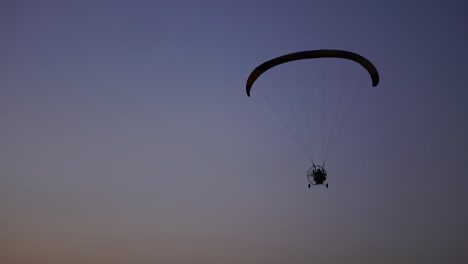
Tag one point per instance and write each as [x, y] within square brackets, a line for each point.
[126, 135]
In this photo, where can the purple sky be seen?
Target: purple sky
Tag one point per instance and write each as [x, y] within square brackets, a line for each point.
[126, 135]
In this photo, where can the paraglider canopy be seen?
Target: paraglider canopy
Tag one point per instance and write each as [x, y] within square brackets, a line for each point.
[313, 54]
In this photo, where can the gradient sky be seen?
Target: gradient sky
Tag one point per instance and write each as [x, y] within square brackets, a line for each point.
[126, 135]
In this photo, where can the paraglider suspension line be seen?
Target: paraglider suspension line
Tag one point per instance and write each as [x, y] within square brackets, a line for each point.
[289, 129]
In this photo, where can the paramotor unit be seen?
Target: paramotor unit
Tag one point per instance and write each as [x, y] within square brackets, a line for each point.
[317, 175]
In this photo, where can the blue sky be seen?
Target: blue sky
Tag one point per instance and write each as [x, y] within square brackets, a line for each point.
[126, 135]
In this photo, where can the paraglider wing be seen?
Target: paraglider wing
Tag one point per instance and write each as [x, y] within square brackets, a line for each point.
[313, 54]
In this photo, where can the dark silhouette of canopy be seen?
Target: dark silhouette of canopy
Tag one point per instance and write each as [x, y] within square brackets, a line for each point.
[313, 54]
